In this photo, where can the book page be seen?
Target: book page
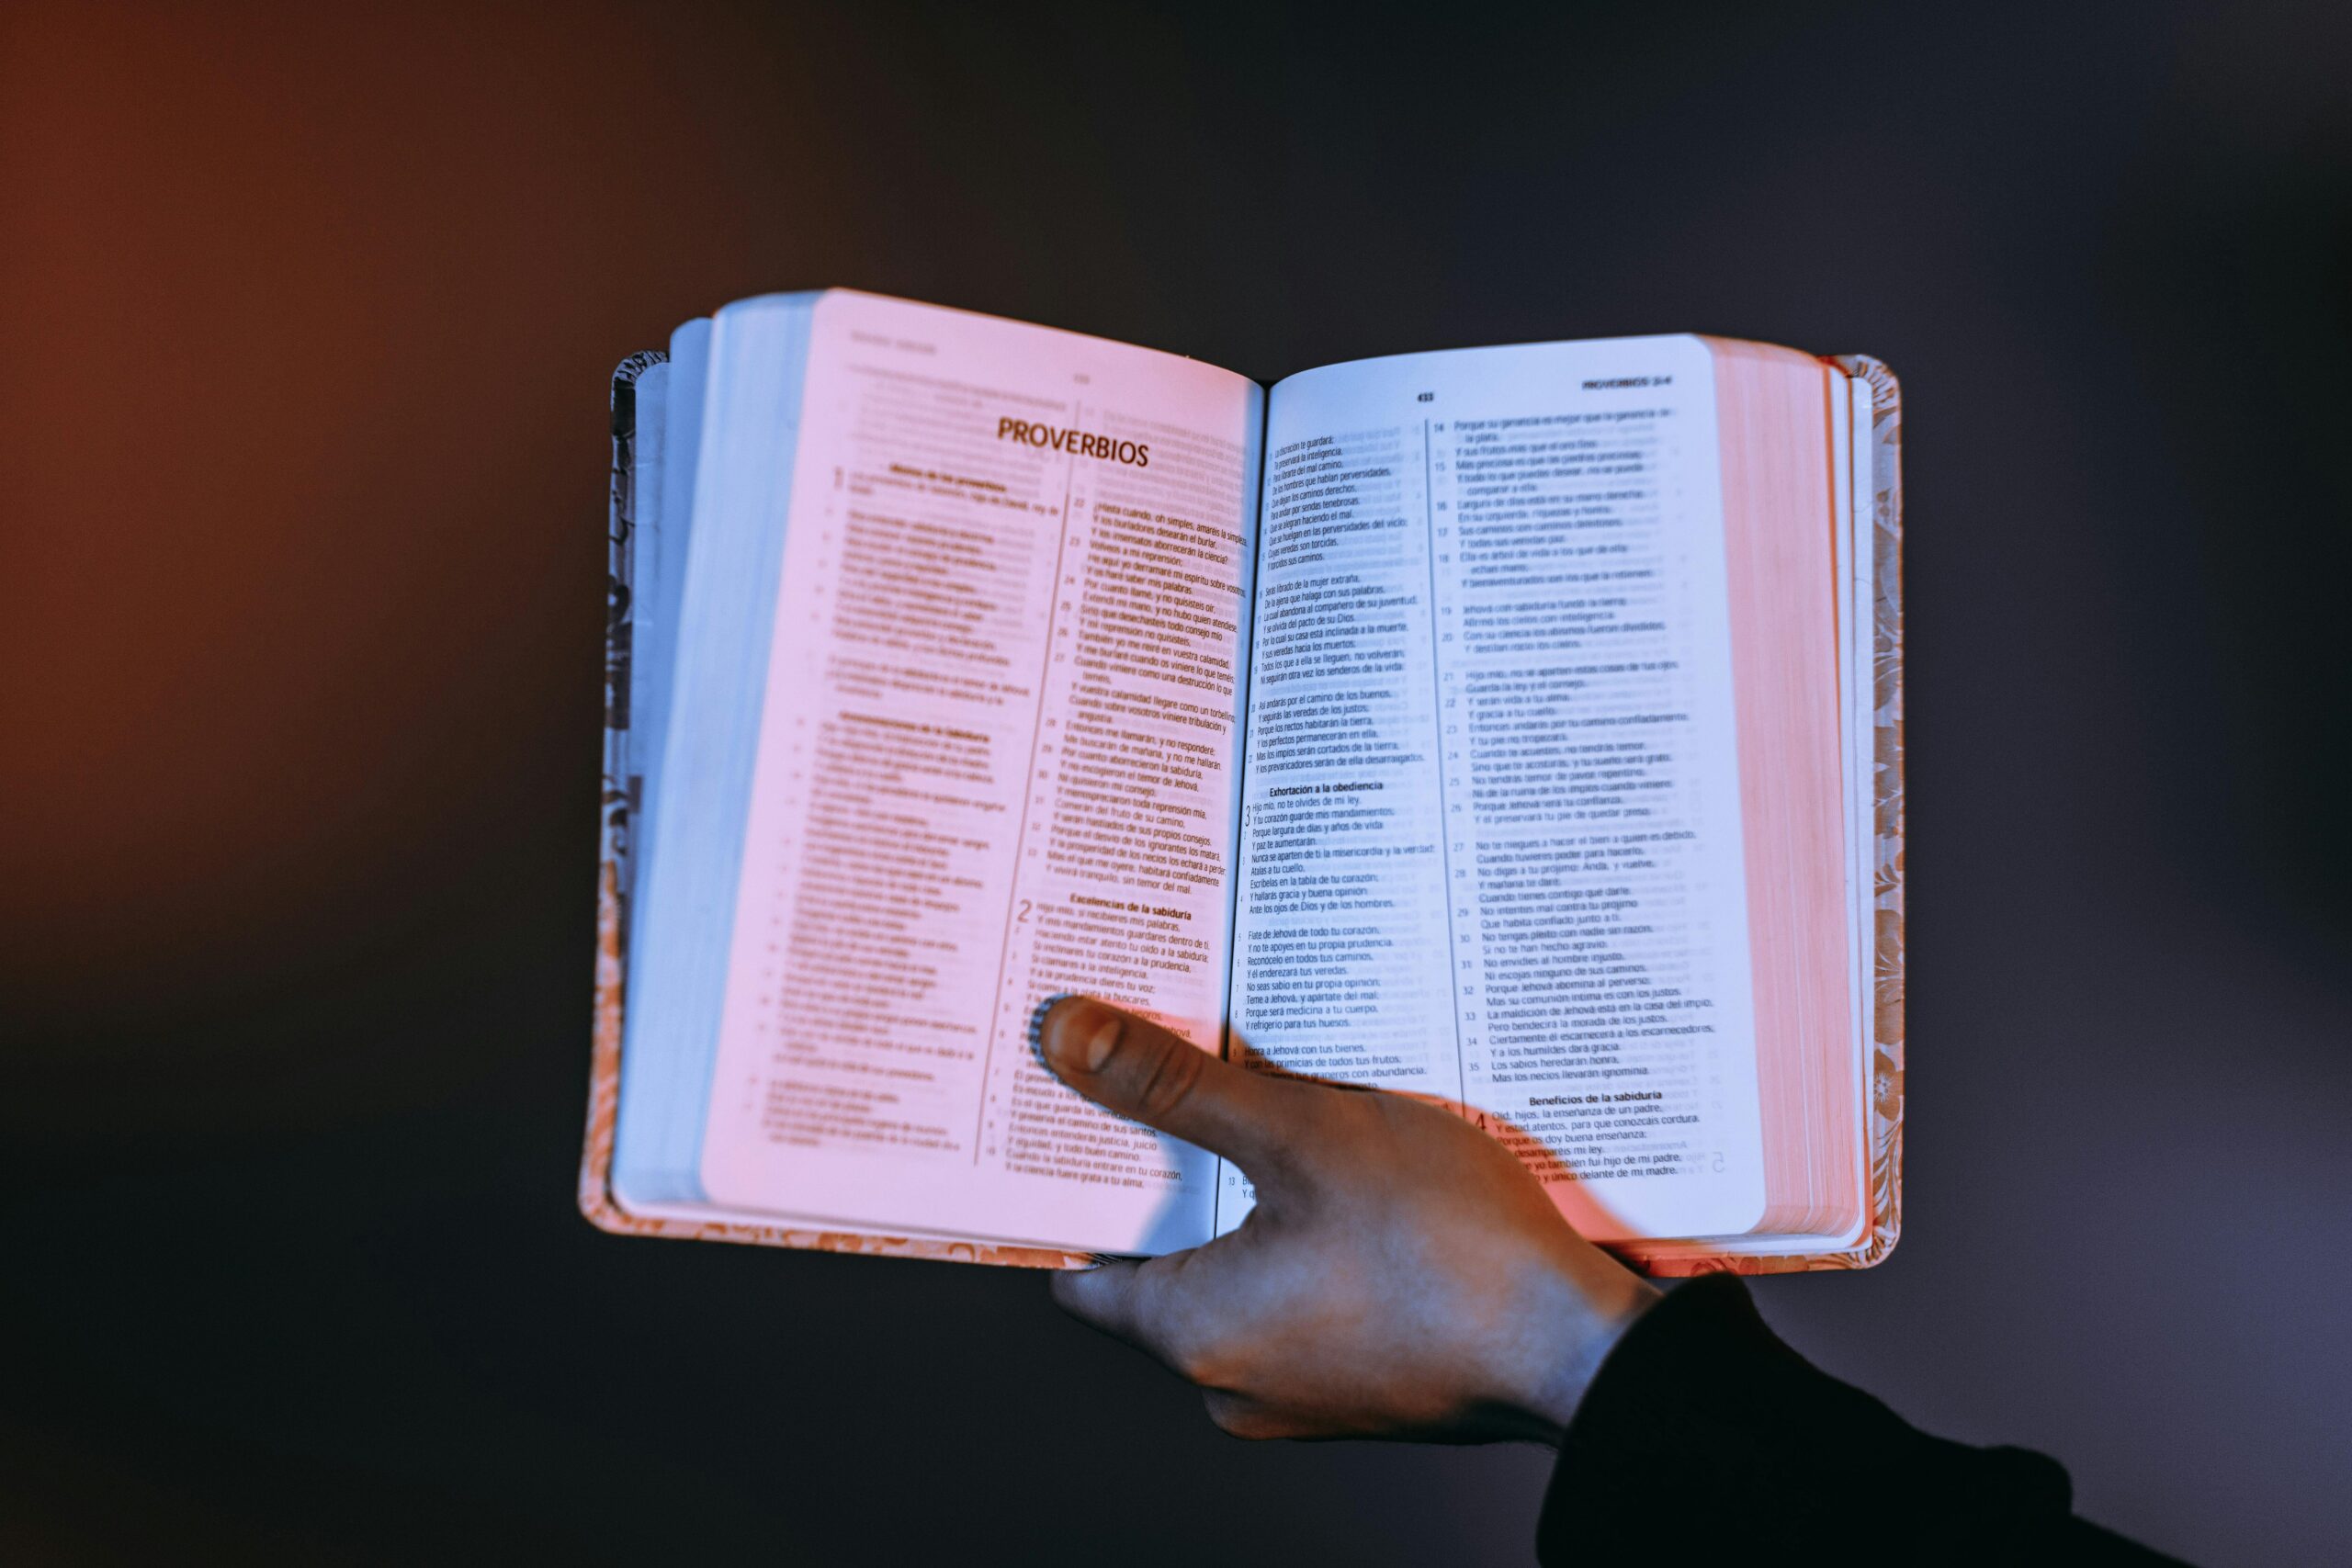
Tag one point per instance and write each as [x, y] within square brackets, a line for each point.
[1491, 846]
[996, 761]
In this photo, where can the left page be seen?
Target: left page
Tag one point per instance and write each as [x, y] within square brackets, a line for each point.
[997, 760]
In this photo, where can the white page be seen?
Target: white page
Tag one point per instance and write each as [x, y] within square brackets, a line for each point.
[1491, 843]
[996, 761]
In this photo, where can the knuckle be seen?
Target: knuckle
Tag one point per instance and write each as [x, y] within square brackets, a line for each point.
[1161, 1316]
[1339, 1134]
[1168, 1078]
[1188, 1355]
[1193, 1353]
[1186, 1362]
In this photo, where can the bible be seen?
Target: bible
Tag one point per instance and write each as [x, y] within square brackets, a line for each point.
[1515, 727]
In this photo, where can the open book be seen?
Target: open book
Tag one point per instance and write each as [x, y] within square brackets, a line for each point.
[1514, 726]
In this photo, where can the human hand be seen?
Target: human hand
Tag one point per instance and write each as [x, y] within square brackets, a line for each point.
[1402, 1274]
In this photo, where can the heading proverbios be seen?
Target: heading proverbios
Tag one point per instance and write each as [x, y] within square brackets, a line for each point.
[1133, 453]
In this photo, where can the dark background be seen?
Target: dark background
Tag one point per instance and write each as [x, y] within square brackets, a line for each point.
[308, 321]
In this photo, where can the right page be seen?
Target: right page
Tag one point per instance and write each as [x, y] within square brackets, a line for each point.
[1492, 846]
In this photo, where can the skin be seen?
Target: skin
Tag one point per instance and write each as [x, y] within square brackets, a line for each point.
[1402, 1276]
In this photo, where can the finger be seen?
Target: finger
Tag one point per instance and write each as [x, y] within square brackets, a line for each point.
[1239, 1415]
[1163, 1306]
[1105, 1297]
[1157, 1078]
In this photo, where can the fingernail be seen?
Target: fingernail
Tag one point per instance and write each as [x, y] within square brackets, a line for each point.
[1100, 1039]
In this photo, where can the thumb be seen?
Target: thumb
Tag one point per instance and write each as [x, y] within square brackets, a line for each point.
[1157, 1078]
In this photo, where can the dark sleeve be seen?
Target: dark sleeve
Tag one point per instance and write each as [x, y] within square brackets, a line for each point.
[1703, 1432]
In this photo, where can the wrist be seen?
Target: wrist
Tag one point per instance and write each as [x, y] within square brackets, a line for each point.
[1595, 1300]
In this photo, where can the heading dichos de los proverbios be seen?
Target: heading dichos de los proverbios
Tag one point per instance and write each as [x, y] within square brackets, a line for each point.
[1084, 444]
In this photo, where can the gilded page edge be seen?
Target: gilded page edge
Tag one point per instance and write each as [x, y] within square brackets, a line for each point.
[1886, 722]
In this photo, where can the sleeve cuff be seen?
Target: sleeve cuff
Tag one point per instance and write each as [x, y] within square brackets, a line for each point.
[1702, 1425]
